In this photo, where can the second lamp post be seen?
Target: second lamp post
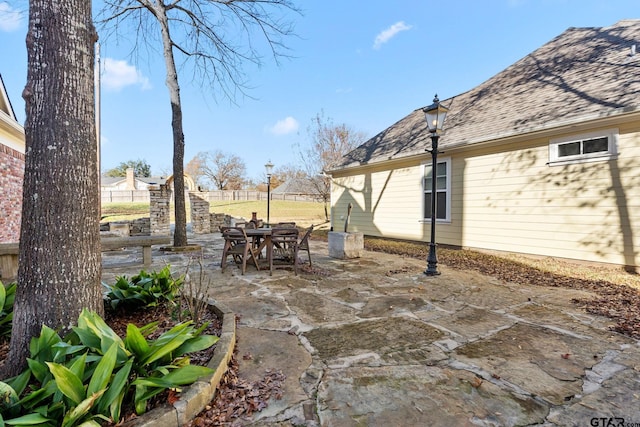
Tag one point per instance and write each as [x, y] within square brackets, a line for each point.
[268, 167]
[435, 115]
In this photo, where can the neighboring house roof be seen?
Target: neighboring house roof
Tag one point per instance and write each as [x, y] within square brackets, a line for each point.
[583, 74]
[110, 181]
[296, 186]
[155, 180]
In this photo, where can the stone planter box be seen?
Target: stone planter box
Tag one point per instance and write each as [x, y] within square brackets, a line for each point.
[345, 245]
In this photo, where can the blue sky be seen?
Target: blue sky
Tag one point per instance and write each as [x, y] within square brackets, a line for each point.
[366, 64]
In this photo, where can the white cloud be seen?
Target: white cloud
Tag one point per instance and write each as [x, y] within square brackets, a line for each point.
[10, 19]
[285, 126]
[117, 74]
[389, 33]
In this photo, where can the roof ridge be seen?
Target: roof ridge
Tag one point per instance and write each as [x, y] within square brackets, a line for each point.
[582, 72]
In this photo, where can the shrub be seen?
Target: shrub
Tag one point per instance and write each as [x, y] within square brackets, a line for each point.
[7, 295]
[90, 374]
[143, 290]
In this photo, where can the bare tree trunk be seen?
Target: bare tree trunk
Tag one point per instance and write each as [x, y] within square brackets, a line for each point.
[180, 233]
[59, 265]
[211, 35]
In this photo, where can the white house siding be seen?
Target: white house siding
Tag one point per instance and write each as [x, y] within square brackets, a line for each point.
[507, 198]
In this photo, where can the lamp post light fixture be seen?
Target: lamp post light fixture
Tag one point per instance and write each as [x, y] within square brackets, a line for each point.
[435, 115]
[268, 167]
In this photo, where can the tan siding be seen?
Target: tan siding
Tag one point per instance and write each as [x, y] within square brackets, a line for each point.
[507, 198]
[514, 201]
[376, 197]
[394, 207]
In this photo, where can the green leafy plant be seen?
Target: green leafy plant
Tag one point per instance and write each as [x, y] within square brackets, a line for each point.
[143, 290]
[7, 296]
[90, 374]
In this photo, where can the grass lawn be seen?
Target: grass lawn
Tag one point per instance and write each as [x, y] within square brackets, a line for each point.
[303, 213]
[124, 211]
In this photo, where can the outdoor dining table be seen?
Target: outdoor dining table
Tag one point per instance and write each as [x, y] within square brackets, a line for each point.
[262, 237]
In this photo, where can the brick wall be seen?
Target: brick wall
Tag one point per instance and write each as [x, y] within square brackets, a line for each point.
[11, 177]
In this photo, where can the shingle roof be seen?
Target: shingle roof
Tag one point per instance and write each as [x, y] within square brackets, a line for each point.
[107, 181]
[111, 180]
[296, 186]
[581, 74]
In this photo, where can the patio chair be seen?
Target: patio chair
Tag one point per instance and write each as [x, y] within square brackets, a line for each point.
[303, 244]
[239, 247]
[284, 243]
[285, 225]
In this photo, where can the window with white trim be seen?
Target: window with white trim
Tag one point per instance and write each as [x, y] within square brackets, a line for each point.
[443, 190]
[588, 147]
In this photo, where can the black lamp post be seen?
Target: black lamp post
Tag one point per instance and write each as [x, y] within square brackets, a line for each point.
[435, 115]
[268, 167]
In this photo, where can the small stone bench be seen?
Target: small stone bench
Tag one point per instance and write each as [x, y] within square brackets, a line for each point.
[8, 261]
[9, 251]
[110, 243]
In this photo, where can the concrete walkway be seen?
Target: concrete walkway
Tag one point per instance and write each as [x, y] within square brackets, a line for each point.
[374, 342]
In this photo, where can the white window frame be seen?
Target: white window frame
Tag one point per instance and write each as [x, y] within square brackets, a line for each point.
[611, 153]
[427, 165]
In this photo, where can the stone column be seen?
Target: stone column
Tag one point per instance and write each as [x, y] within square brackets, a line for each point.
[200, 218]
[160, 210]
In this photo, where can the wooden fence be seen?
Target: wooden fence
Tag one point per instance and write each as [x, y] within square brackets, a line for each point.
[125, 196]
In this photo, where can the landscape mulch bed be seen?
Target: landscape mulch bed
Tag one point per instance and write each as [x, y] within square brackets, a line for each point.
[235, 398]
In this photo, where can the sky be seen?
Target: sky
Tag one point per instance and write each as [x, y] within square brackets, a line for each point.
[366, 64]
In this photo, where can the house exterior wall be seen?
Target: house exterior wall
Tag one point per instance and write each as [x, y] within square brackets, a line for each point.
[11, 178]
[507, 198]
[510, 199]
[386, 201]
[127, 184]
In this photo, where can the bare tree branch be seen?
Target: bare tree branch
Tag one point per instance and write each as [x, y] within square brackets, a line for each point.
[216, 38]
[328, 143]
[224, 171]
